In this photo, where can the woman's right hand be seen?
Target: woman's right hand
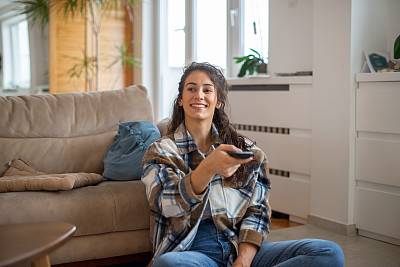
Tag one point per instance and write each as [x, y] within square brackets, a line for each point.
[218, 162]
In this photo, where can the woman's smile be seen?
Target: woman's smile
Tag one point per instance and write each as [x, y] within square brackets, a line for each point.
[198, 106]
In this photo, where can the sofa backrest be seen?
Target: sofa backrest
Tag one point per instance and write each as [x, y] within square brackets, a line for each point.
[68, 132]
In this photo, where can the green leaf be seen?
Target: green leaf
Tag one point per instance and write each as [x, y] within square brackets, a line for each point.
[252, 67]
[240, 59]
[36, 11]
[258, 54]
[397, 48]
[242, 70]
[245, 67]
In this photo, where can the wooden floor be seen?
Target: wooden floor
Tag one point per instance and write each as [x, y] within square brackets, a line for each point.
[282, 223]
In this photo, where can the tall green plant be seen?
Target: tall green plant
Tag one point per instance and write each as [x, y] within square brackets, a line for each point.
[87, 66]
[94, 11]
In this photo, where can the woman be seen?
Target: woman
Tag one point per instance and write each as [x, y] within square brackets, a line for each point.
[207, 207]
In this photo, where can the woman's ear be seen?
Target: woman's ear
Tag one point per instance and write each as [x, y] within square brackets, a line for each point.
[180, 102]
[218, 105]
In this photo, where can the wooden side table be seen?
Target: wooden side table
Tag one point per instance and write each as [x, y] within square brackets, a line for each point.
[32, 242]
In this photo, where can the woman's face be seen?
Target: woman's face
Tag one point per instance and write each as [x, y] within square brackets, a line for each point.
[199, 97]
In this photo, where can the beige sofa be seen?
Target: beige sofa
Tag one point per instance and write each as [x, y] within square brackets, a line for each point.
[70, 133]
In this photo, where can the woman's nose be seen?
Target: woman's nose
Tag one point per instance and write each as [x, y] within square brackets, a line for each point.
[200, 94]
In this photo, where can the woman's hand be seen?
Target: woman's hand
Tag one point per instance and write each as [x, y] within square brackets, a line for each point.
[218, 162]
[246, 255]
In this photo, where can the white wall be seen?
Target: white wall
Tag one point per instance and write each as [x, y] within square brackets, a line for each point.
[290, 36]
[368, 29]
[330, 184]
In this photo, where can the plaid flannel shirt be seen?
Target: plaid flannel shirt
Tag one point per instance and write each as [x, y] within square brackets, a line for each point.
[241, 211]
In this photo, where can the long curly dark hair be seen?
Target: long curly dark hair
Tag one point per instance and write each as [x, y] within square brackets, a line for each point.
[227, 131]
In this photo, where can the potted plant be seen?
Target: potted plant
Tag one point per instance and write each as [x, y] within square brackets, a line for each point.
[251, 63]
[394, 64]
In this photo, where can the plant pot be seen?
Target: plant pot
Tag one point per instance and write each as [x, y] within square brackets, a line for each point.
[262, 68]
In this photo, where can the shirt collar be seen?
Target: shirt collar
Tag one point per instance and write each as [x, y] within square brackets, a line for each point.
[185, 142]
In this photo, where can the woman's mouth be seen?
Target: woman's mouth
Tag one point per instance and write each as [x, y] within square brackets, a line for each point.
[198, 105]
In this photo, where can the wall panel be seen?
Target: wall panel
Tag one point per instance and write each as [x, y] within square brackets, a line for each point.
[291, 109]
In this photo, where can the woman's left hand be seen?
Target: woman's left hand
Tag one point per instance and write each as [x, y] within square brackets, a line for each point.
[241, 263]
[246, 255]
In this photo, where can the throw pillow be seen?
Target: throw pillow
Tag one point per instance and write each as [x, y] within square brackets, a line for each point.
[21, 168]
[123, 160]
[48, 182]
[20, 176]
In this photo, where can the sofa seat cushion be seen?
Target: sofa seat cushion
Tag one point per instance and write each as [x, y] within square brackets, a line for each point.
[107, 207]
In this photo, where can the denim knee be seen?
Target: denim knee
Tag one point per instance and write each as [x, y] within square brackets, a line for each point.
[167, 259]
[332, 252]
[336, 253]
[184, 258]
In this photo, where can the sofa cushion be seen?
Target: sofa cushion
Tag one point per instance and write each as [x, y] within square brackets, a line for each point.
[22, 177]
[21, 168]
[123, 160]
[70, 132]
[49, 182]
[107, 207]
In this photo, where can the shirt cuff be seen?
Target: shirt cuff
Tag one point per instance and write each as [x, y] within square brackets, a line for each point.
[185, 187]
[251, 236]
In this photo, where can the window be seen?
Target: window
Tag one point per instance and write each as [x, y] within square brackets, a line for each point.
[256, 27]
[208, 30]
[16, 57]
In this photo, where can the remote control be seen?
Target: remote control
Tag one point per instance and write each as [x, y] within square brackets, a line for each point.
[240, 155]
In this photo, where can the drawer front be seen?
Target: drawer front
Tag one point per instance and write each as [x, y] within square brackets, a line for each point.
[378, 212]
[378, 161]
[378, 109]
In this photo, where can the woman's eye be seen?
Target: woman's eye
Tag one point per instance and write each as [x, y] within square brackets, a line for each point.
[191, 89]
[208, 90]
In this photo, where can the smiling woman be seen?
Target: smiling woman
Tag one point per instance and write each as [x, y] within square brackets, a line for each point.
[209, 208]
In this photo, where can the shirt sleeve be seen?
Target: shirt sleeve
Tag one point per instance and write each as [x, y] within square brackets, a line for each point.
[168, 188]
[256, 221]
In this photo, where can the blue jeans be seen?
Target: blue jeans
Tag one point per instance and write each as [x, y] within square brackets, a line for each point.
[212, 248]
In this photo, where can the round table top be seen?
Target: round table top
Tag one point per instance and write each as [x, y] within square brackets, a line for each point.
[28, 242]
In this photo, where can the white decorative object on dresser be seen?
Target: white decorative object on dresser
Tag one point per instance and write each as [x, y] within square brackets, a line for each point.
[276, 113]
[377, 164]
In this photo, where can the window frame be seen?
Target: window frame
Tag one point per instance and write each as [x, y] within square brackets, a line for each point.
[10, 56]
